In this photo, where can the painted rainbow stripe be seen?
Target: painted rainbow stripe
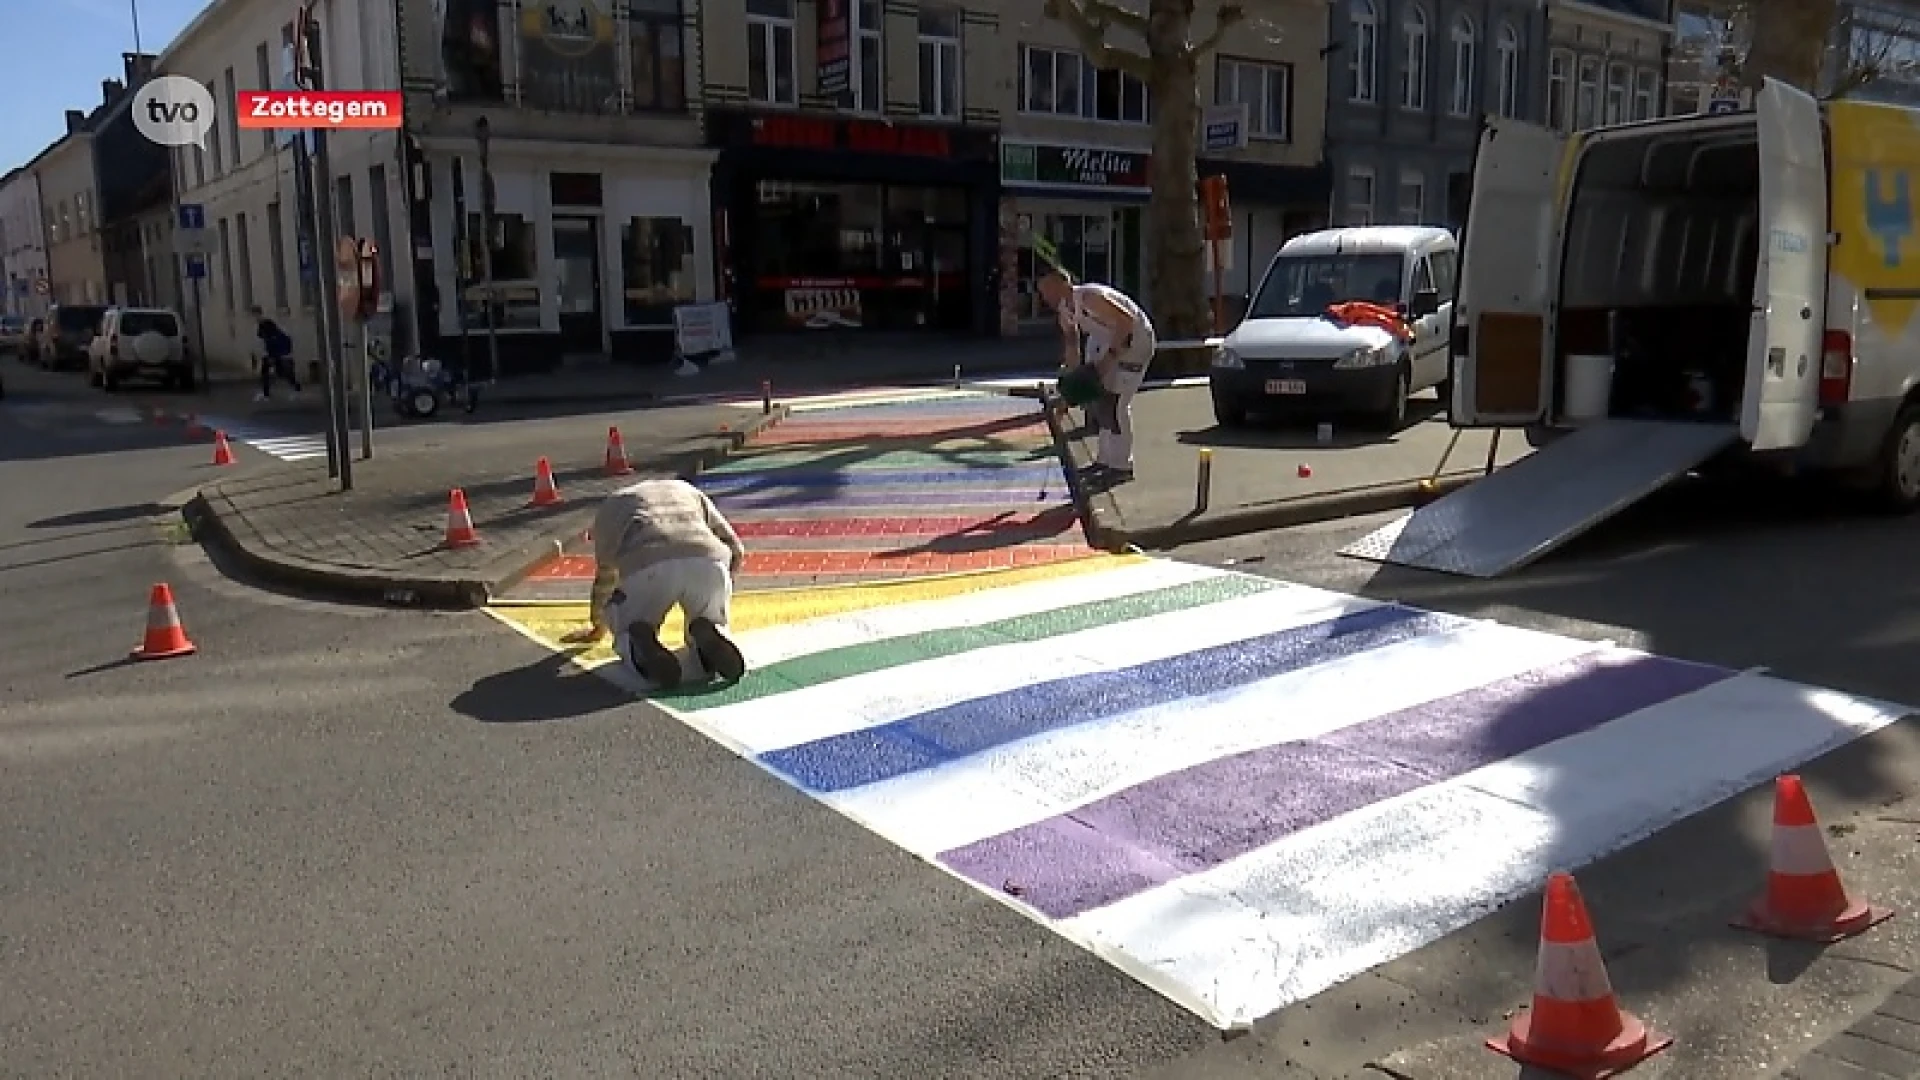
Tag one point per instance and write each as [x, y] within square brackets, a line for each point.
[1240, 791]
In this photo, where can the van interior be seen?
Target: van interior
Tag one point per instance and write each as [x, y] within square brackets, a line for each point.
[1659, 266]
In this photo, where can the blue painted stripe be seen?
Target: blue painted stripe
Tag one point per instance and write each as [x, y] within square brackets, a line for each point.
[939, 736]
[775, 479]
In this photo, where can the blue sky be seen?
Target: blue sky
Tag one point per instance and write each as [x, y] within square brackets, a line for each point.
[57, 53]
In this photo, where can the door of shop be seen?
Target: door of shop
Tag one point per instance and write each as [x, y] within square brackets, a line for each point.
[576, 256]
[949, 295]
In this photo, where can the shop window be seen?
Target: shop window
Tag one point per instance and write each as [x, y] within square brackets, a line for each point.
[516, 263]
[1266, 91]
[1617, 78]
[1363, 48]
[1083, 244]
[940, 62]
[1586, 111]
[1061, 82]
[818, 230]
[1646, 84]
[770, 60]
[470, 50]
[1466, 59]
[659, 62]
[868, 47]
[656, 260]
[1560, 90]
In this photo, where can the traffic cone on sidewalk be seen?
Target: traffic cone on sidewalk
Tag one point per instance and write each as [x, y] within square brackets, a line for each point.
[617, 464]
[460, 532]
[1575, 1025]
[165, 636]
[545, 491]
[1805, 899]
[222, 453]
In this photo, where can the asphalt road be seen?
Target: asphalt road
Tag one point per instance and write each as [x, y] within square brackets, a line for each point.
[346, 842]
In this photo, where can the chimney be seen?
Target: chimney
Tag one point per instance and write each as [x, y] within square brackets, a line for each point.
[75, 121]
[110, 90]
[138, 67]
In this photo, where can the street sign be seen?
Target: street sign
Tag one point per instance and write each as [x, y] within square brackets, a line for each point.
[41, 286]
[196, 267]
[193, 217]
[1224, 127]
[1723, 106]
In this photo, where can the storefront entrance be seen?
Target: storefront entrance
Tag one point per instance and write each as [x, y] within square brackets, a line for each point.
[1100, 244]
[576, 257]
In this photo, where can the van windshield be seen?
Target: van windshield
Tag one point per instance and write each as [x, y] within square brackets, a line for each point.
[1301, 286]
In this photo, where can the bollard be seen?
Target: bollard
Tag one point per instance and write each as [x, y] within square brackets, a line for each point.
[766, 397]
[956, 376]
[1203, 481]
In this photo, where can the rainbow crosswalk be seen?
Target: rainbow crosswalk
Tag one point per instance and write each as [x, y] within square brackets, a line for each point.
[1239, 791]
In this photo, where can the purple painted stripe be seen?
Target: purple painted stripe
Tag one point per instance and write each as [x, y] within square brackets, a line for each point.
[1020, 497]
[1197, 818]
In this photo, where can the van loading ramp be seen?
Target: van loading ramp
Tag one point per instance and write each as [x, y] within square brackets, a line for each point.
[1511, 517]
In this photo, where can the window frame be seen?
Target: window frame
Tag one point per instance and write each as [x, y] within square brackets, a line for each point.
[1506, 51]
[1560, 119]
[1417, 181]
[857, 73]
[1356, 173]
[1465, 63]
[1267, 76]
[1646, 92]
[1617, 110]
[1416, 45]
[659, 22]
[1587, 77]
[1084, 78]
[944, 50]
[769, 27]
[1363, 47]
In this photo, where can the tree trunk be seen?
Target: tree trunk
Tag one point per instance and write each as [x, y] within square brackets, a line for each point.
[1176, 278]
[1790, 42]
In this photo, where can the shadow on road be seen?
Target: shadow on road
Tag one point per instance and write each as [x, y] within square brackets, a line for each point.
[106, 515]
[540, 692]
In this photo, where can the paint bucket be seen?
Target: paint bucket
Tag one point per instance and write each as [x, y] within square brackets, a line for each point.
[1589, 387]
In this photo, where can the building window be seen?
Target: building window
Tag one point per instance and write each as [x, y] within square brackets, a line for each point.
[1413, 198]
[263, 80]
[659, 60]
[343, 205]
[1413, 65]
[1465, 65]
[1364, 47]
[231, 108]
[379, 210]
[1559, 90]
[277, 251]
[1646, 89]
[1265, 89]
[1507, 51]
[213, 135]
[1360, 197]
[1062, 83]
[516, 281]
[656, 260]
[868, 47]
[470, 50]
[770, 79]
[226, 264]
[1617, 79]
[940, 62]
[1586, 112]
[245, 238]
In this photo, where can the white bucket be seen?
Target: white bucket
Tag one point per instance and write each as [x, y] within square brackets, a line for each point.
[1589, 387]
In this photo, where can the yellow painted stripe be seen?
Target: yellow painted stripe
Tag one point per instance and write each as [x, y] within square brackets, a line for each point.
[545, 622]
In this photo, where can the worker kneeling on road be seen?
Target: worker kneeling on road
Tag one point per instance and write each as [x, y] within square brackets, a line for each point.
[657, 545]
[1120, 345]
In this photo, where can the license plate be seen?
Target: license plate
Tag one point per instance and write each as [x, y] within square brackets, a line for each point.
[1286, 386]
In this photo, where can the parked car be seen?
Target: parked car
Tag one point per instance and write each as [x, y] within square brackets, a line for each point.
[30, 342]
[13, 333]
[70, 328]
[140, 343]
[1290, 354]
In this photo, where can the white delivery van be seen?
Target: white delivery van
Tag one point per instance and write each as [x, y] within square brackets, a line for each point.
[1289, 356]
[1646, 297]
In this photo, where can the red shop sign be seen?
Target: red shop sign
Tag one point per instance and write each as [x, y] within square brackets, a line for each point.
[860, 136]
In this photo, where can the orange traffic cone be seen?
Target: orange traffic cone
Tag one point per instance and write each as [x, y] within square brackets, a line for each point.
[194, 427]
[460, 532]
[1804, 897]
[545, 491]
[617, 464]
[165, 636]
[222, 453]
[1575, 1026]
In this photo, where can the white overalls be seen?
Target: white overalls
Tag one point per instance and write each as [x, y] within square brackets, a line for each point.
[1132, 345]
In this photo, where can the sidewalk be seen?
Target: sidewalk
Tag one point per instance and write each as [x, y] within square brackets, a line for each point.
[1266, 477]
[383, 540]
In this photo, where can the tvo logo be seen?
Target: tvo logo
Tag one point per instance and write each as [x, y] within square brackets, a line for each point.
[173, 110]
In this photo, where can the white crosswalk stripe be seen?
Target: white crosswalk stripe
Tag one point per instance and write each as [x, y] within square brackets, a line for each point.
[269, 441]
[120, 416]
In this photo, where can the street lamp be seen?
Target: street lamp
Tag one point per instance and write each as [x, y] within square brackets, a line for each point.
[483, 134]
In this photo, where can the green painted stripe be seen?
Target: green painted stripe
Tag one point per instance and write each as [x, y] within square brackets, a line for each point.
[844, 663]
[841, 461]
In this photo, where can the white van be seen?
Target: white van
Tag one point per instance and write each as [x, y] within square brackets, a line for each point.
[1667, 292]
[1290, 356]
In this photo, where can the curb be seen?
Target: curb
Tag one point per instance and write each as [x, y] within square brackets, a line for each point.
[1312, 509]
[464, 591]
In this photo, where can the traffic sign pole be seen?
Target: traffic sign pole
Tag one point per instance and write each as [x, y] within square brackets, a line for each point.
[313, 77]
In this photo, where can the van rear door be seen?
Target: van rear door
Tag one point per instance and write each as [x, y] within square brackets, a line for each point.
[1501, 374]
[1782, 391]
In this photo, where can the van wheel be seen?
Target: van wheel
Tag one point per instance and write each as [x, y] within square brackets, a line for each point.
[1231, 416]
[1444, 391]
[1899, 487]
[1394, 416]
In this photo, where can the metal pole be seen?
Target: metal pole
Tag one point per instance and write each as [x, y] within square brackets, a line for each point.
[133, 6]
[366, 393]
[200, 340]
[482, 132]
[326, 259]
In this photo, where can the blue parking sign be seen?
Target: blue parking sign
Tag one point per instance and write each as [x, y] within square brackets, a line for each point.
[193, 217]
[196, 267]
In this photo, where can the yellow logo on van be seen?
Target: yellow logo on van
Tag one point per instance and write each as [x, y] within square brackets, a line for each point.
[1876, 152]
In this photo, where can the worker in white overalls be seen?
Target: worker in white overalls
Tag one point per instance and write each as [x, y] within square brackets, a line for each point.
[1120, 344]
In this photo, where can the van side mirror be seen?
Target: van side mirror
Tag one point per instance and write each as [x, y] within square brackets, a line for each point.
[1425, 302]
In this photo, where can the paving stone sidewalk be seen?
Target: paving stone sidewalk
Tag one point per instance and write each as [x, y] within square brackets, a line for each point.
[1885, 1045]
[384, 539]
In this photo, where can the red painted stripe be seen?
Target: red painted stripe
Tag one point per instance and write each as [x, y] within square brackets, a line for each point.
[568, 567]
[1045, 523]
[887, 563]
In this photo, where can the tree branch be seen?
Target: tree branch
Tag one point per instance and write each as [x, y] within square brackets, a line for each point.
[1090, 30]
[1107, 12]
[1230, 15]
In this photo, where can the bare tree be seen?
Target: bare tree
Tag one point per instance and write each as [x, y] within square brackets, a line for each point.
[1159, 49]
[1820, 46]
[1789, 41]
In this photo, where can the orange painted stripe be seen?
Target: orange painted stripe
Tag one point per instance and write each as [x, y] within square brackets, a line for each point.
[908, 526]
[881, 563]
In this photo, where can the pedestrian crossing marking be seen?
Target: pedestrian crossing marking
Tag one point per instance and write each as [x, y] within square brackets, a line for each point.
[270, 441]
[1240, 791]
